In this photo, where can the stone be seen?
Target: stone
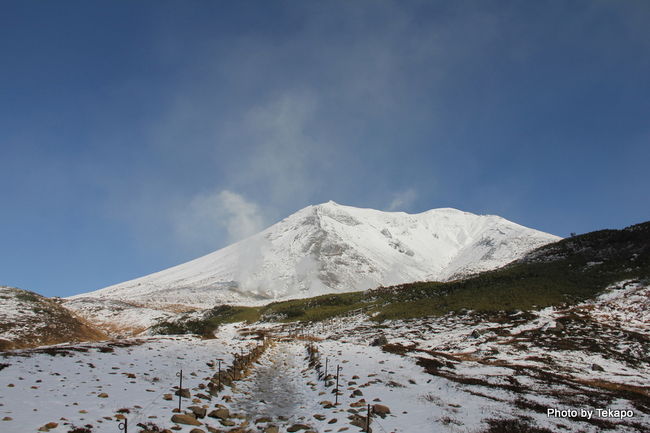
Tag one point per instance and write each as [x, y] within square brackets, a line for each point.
[596, 367]
[332, 421]
[185, 419]
[221, 413]
[380, 409]
[48, 426]
[297, 427]
[197, 430]
[167, 397]
[272, 429]
[198, 412]
[319, 417]
[379, 341]
[227, 422]
[102, 395]
[262, 420]
[185, 393]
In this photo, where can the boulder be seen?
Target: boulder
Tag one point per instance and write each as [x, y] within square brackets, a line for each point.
[185, 419]
[198, 411]
[221, 413]
[185, 393]
[380, 410]
[379, 341]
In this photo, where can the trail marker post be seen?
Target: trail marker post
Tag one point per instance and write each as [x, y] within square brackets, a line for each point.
[219, 373]
[124, 426]
[180, 388]
[368, 421]
[336, 390]
[326, 360]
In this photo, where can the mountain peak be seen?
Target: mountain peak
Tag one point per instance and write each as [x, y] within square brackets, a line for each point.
[329, 248]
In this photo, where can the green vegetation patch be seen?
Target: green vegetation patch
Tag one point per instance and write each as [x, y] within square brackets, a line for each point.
[566, 272]
[209, 322]
[563, 273]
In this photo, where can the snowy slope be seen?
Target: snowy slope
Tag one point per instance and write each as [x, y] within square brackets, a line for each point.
[28, 319]
[333, 248]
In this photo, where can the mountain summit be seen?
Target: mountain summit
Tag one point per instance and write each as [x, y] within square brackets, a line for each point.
[334, 248]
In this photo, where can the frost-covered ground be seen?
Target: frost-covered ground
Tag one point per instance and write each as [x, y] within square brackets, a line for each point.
[88, 384]
[456, 373]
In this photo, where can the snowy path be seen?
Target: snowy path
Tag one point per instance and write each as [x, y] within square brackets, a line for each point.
[280, 387]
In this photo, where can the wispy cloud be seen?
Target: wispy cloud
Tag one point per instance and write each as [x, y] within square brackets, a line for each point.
[403, 200]
[207, 216]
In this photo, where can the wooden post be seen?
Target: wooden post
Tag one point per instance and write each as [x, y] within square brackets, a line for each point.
[219, 375]
[326, 360]
[336, 390]
[180, 389]
[124, 425]
[368, 421]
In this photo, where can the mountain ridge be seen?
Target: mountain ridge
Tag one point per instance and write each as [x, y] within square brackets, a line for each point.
[331, 248]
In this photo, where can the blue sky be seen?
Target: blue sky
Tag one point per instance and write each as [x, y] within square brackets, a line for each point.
[138, 135]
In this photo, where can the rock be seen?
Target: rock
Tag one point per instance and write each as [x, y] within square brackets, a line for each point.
[379, 341]
[596, 367]
[185, 393]
[197, 430]
[221, 413]
[356, 393]
[272, 429]
[48, 426]
[380, 409]
[185, 419]
[227, 422]
[7, 418]
[167, 397]
[262, 420]
[297, 427]
[332, 421]
[199, 412]
[102, 395]
[358, 421]
[319, 417]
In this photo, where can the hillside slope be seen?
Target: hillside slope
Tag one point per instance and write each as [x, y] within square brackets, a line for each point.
[332, 248]
[28, 320]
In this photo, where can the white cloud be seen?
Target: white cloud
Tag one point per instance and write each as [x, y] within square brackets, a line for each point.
[204, 219]
[278, 152]
[403, 200]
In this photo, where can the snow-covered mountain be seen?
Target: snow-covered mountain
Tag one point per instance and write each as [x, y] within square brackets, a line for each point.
[334, 248]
